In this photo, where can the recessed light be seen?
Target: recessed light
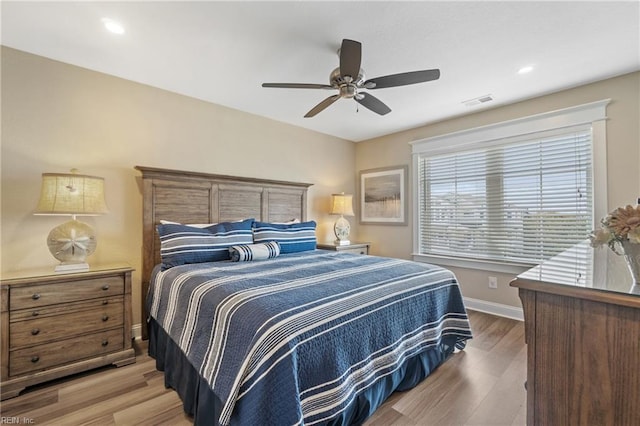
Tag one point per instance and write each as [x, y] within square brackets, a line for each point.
[526, 69]
[113, 26]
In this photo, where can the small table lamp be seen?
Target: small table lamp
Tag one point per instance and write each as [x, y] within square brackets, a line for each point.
[71, 194]
[342, 204]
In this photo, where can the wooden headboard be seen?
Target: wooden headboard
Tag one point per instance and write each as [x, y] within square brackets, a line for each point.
[192, 197]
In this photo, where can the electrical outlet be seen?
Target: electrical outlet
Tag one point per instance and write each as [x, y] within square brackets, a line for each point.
[493, 282]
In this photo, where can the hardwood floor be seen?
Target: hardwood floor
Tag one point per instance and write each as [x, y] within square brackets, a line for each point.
[482, 385]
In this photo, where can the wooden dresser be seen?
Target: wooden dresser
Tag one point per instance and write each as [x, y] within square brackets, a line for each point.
[582, 329]
[54, 325]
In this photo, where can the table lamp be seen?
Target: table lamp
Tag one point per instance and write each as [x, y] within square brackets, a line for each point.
[342, 204]
[71, 194]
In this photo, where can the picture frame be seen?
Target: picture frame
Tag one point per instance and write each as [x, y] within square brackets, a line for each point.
[383, 196]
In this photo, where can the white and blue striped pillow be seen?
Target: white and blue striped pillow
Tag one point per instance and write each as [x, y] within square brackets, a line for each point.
[292, 238]
[261, 251]
[182, 244]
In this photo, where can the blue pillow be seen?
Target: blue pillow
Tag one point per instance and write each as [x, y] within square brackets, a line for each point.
[292, 238]
[182, 244]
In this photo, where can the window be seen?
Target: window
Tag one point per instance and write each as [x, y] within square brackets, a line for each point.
[505, 194]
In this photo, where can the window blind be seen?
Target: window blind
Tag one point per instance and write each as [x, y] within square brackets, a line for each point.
[518, 201]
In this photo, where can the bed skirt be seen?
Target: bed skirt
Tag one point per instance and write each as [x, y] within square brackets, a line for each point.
[201, 403]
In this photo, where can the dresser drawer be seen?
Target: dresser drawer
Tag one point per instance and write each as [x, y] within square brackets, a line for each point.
[24, 297]
[64, 308]
[81, 321]
[64, 351]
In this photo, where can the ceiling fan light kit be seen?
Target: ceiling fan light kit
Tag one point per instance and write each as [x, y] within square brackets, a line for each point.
[349, 80]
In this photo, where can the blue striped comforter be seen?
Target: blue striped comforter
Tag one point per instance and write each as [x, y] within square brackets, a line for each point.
[293, 340]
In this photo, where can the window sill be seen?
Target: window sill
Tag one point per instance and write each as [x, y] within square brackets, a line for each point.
[483, 265]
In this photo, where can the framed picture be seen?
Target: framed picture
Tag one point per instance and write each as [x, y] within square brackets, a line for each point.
[383, 196]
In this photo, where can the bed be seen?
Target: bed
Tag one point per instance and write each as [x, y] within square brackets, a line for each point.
[302, 336]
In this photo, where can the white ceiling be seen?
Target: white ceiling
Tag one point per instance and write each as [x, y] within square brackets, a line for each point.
[222, 51]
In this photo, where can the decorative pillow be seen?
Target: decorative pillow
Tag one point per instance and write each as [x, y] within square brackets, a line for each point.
[181, 244]
[262, 251]
[292, 238]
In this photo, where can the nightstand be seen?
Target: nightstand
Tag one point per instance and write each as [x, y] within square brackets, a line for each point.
[357, 248]
[54, 325]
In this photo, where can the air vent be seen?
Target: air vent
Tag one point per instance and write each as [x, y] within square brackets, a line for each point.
[479, 100]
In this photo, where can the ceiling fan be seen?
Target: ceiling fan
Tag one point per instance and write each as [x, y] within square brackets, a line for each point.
[349, 79]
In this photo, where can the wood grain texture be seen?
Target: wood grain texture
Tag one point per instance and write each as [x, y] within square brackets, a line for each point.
[34, 296]
[468, 389]
[4, 332]
[193, 197]
[583, 357]
[85, 318]
[63, 352]
[54, 325]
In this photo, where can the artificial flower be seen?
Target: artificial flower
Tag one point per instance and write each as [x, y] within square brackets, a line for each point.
[624, 219]
[622, 224]
[600, 237]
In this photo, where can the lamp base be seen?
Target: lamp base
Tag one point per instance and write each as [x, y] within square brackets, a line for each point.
[68, 268]
[71, 243]
[341, 229]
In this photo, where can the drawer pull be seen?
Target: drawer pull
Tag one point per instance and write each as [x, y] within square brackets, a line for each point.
[105, 317]
[35, 359]
[36, 296]
[35, 331]
[105, 287]
[105, 342]
[35, 313]
[105, 302]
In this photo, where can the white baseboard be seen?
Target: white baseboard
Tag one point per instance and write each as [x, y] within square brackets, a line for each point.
[498, 309]
[136, 331]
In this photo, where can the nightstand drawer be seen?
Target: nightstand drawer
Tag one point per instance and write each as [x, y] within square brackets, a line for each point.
[24, 297]
[63, 308]
[355, 250]
[62, 352]
[47, 328]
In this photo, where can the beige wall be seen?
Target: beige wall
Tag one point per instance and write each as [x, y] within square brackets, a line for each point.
[56, 117]
[623, 163]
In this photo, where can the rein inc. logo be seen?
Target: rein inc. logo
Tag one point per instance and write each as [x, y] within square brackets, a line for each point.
[16, 420]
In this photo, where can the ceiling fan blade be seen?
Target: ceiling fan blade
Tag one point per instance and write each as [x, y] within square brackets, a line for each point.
[350, 57]
[297, 85]
[322, 105]
[373, 103]
[402, 79]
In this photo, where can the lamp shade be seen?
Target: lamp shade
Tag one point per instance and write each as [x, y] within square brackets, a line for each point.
[71, 194]
[342, 204]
